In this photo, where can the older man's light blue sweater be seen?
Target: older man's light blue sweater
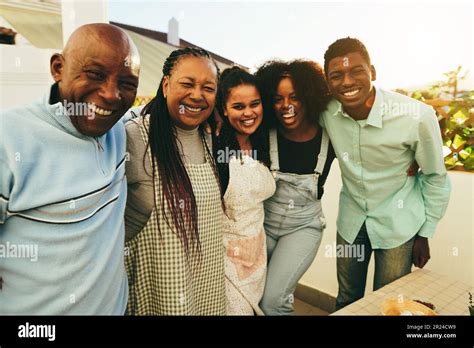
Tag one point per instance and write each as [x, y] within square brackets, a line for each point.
[62, 194]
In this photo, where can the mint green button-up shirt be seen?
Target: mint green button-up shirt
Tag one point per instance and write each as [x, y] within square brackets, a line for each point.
[374, 156]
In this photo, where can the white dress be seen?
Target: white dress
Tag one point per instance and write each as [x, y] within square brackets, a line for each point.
[250, 183]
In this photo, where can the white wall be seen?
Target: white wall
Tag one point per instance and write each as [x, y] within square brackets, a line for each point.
[24, 69]
[454, 236]
[79, 12]
[24, 74]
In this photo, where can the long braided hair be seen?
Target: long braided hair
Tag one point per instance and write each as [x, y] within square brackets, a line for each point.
[177, 192]
[227, 140]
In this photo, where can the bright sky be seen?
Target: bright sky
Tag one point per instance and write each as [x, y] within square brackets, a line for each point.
[410, 43]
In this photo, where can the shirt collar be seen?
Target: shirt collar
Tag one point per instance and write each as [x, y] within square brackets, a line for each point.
[57, 111]
[376, 113]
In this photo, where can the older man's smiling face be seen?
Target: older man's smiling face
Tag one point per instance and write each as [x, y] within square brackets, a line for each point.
[100, 70]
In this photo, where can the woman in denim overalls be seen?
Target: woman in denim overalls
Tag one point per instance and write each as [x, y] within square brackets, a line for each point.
[294, 221]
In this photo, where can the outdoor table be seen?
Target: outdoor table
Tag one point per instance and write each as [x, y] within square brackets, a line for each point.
[449, 296]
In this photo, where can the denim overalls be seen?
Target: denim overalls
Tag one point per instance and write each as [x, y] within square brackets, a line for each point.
[294, 223]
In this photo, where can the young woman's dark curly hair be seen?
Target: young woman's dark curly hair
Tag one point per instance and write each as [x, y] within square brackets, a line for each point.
[227, 141]
[308, 80]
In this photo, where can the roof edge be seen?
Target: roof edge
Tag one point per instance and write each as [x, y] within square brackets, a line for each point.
[162, 37]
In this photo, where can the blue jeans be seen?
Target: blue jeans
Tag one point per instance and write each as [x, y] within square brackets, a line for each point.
[390, 264]
[289, 258]
[294, 223]
[293, 239]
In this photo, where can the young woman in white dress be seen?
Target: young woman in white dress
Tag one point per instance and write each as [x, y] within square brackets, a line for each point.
[242, 160]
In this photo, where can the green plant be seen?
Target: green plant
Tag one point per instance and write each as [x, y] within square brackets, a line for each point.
[455, 110]
[458, 133]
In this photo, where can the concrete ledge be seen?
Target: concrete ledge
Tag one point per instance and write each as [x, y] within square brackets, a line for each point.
[316, 298]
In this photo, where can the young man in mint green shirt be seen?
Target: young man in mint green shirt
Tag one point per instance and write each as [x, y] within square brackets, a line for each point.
[377, 135]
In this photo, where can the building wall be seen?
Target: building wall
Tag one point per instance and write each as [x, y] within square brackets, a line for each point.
[24, 74]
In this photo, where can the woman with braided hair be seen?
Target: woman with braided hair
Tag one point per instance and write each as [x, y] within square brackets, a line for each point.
[242, 160]
[174, 254]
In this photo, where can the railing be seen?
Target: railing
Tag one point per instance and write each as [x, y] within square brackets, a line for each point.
[456, 118]
[139, 100]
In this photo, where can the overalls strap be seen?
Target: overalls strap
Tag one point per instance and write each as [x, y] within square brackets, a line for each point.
[323, 153]
[275, 164]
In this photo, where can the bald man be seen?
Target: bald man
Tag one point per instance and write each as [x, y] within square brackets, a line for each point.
[62, 185]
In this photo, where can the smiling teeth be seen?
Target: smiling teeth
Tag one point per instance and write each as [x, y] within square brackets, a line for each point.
[193, 109]
[288, 115]
[249, 122]
[102, 112]
[351, 93]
